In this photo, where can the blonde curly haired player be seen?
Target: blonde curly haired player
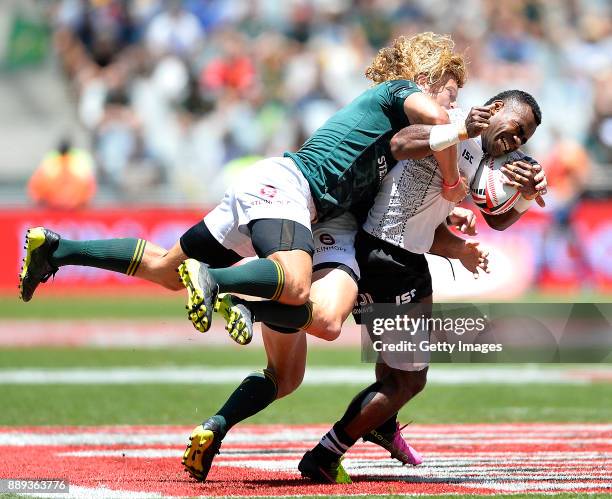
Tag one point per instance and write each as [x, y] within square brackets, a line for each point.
[429, 59]
[427, 55]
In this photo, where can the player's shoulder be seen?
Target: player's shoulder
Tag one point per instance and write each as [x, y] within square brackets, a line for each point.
[398, 88]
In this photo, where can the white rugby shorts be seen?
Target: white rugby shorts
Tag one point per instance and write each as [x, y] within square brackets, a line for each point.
[271, 188]
[334, 242]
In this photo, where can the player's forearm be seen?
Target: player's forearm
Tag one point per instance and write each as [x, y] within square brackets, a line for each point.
[419, 141]
[503, 221]
[447, 162]
[411, 142]
[446, 243]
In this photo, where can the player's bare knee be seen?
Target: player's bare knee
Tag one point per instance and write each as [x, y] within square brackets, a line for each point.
[301, 292]
[288, 384]
[297, 270]
[419, 381]
[326, 323]
[332, 329]
[407, 384]
[413, 383]
[296, 291]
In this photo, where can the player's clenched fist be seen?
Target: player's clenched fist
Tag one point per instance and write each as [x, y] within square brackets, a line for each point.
[478, 120]
[528, 178]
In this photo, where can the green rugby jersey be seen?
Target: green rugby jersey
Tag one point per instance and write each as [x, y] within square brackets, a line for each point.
[345, 160]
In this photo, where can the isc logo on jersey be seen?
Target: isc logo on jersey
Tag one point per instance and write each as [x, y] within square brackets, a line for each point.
[488, 190]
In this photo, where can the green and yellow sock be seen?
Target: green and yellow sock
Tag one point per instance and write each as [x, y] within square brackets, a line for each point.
[119, 255]
[262, 277]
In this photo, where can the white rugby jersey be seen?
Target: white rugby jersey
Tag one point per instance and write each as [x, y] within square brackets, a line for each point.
[409, 206]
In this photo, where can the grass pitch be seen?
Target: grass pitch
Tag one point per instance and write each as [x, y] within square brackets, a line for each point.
[187, 404]
[168, 403]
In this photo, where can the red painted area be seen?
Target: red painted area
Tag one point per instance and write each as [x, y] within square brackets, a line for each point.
[261, 460]
[561, 268]
[161, 225]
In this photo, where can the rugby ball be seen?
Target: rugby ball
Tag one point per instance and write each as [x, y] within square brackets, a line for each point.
[488, 190]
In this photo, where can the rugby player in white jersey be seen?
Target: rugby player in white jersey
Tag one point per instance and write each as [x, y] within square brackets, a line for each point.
[390, 249]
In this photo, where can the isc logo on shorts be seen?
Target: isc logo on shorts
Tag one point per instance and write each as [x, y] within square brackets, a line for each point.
[405, 297]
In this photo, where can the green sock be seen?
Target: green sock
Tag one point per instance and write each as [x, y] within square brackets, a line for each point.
[118, 255]
[279, 314]
[262, 277]
[256, 392]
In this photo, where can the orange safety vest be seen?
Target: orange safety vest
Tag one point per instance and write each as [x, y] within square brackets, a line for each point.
[64, 182]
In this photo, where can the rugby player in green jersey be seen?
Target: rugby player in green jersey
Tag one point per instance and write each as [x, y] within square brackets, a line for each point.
[311, 184]
[268, 213]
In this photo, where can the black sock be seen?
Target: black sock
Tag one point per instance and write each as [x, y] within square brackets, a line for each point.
[263, 277]
[333, 444]
[336, 441]
[256, 392]
[277, 314]
[389, 426]
[360, 400]
[118, 255]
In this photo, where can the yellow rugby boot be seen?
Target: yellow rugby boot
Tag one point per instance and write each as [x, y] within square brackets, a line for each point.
[40, 243]
[321, 472]
[202, 293]
[204, 444]
[238, 318]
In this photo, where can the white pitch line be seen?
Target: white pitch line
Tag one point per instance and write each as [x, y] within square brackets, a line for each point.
[77, 492]
[314, 375]
[596, 434]
[124, 438]
[457, 463]
[531, 487]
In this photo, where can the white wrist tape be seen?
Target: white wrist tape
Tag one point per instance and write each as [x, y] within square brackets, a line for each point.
[443, 136]
[522, 205]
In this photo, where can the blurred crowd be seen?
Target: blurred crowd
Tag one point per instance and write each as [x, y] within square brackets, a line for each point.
[182, 94]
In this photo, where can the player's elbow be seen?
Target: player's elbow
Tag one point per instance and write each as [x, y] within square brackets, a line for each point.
[498, 224]
[501, 222]
[398, 145]
[402, 148]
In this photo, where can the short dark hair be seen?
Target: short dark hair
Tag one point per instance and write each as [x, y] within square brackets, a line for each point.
[519, 96]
